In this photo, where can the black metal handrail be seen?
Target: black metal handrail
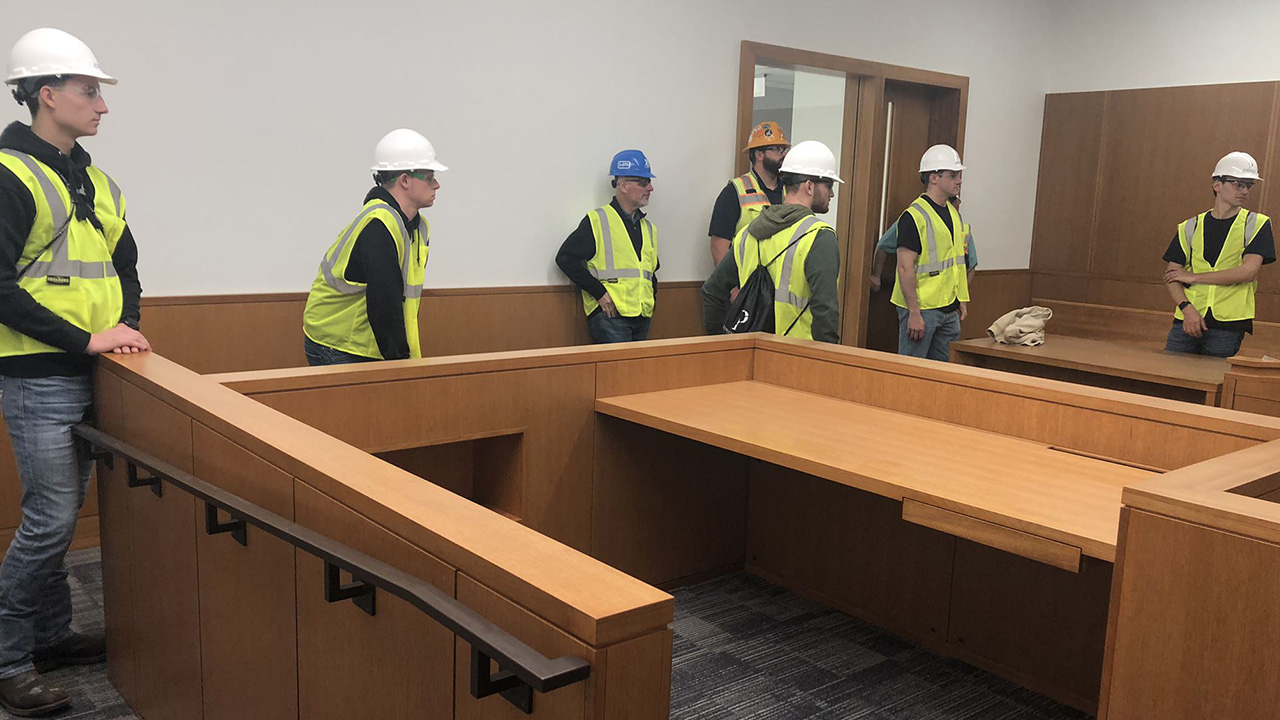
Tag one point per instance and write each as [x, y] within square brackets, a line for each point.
[522, 669]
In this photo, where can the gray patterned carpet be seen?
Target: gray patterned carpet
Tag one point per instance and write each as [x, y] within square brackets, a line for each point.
[744, 649]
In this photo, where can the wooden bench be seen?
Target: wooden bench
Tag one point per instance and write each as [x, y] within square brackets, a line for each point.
[1102, 363]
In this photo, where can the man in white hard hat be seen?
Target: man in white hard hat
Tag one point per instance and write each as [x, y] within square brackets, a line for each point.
[68, 291]
[364, 302]
[887, 246]
[612, 256]
[932, 289]
[799, 251]
[745, 197]
[1213, 264]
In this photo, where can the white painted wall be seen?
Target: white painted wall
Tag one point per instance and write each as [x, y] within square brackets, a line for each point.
[242, 131]
[1102, 45]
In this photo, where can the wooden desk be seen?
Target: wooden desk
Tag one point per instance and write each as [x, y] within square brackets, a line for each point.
[1051, 506]
[1100, 363]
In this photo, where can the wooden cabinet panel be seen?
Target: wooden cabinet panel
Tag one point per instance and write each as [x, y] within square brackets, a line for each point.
[625, 377]
[851, 548]
[633, 680]
[1041, 626]
[395, 664]
[1196, 626]
[666, 508]
[247, 628]
[117, 543]
[166, 610]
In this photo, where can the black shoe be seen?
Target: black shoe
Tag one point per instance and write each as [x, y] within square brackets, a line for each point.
[77, 649]
[28, 695]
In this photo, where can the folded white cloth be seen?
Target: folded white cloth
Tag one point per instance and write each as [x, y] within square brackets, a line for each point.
[1024, 326]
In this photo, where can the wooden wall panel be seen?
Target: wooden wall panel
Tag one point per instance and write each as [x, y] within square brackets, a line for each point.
[1118, 171]
[1209, 614]
[1067, 190]
[396, 664]
[165, 595]
[994, 293]
[232, 333]
[1159, 147]
[248, 637]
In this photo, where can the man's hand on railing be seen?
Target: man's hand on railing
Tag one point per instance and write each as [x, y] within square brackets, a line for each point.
[119, 339]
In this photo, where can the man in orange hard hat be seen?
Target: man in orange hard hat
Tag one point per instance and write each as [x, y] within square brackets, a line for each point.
[743, 198]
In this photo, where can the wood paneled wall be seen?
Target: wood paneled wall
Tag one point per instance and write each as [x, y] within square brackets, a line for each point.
[1119, 170]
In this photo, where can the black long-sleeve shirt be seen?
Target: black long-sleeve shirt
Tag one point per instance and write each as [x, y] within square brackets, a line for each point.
[18, 310]
[376, 263]
[578, 249]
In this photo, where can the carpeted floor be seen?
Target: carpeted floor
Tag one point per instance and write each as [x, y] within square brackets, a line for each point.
[744, 649]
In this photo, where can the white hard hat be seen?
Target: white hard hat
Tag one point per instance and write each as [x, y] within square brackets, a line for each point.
[1239, 165]
[404, 149]
[940, 157]
[46, 51]
[811, 158]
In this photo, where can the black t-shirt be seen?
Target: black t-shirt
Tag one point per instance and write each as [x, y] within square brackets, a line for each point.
[909, 235]
[1215, 236]
[725, 214]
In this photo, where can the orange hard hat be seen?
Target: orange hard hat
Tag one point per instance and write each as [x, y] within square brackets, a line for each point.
[765, 134]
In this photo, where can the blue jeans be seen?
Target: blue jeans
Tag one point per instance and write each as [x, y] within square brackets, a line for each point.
[605, 329]
[35, 599]
[318, 354]
[940, 328]
[1214, 341]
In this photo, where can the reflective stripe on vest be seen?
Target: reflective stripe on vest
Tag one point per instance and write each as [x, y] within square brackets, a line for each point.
[611, 270]
[783, 293]
[751, 194]
[62, 265]
[931, 246]
[329, 262]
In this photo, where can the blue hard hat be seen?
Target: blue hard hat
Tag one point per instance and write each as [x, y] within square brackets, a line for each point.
[630, 163]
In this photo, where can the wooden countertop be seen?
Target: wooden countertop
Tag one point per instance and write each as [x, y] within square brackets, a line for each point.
[1026, 486]
[1110, 358]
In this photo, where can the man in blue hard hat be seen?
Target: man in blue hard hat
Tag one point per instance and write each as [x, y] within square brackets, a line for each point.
[613, 256]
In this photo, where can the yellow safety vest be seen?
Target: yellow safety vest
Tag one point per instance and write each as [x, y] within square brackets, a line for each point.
[628, 279]
[941, 275]
[791, 289]
[67, 260]
[1228, 302]
[337, 314]
[751, 200]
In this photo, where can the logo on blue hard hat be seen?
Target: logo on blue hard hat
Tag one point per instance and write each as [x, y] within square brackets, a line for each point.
[631, 163]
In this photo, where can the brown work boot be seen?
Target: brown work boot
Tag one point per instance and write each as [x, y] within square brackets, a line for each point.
[77, 649]
[29, 695]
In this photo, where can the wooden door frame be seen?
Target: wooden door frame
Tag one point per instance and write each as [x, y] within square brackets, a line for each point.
[861, 160]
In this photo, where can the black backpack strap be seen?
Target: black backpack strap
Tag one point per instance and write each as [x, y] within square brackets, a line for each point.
[805, 226]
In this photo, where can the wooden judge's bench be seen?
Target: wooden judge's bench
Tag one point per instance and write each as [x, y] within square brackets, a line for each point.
[488, 535]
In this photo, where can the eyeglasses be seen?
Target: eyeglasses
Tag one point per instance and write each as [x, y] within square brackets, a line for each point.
[777, 148]
[1238, 184]
[87, 92]
[642, 182]
[423, 175]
